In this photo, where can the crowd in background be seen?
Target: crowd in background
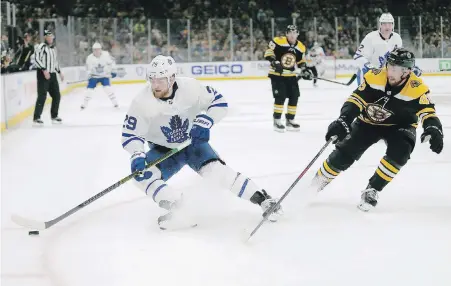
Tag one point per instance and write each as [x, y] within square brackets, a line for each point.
[122, 27]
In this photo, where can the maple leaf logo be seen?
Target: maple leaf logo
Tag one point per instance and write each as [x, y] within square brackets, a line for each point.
[177, 131]
[383, 59]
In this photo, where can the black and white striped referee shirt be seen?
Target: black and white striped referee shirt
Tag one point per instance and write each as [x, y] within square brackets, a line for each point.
[45, 58]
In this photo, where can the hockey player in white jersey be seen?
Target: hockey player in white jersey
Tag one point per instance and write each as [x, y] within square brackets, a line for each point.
[314, 59]
[100, 67]
[376, 46]
[167, 113]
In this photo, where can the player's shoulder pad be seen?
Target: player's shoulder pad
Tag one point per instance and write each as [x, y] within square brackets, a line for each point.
[414, 88]
[300, 46]
[281, 41]
[373, 34]
[396, 35]
[376, 78]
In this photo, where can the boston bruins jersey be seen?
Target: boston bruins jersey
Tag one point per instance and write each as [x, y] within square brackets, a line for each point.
[376, 102]
[288, 55]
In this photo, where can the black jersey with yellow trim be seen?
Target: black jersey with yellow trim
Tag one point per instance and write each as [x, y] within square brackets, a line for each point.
[279, 49]
[376, 102]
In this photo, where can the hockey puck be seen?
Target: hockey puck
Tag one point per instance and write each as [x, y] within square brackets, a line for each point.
[33, 232]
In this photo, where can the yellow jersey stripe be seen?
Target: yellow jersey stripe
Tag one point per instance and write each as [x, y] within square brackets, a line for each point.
[359, 98]
[284, 75]
[356, 103]
[389, 166]
[428, 116]
[425, 110]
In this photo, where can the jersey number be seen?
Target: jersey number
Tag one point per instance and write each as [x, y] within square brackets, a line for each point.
[129, 122]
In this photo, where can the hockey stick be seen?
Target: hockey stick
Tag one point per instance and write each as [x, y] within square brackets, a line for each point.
[268, 212]
[77, 81]
[354, 76]
[34, 224]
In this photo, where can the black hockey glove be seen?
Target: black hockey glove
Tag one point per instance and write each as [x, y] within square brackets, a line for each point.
[436, 138]
[277, 66]
[306, 74]
[338, 128]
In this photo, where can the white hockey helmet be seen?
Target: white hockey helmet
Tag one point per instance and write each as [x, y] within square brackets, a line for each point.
[386, 18]
[162, 66]
[96, 46]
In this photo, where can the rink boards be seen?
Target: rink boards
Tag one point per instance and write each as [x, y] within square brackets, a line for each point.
[19, 90]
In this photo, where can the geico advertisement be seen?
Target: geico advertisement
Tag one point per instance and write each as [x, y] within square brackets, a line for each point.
[218, 69]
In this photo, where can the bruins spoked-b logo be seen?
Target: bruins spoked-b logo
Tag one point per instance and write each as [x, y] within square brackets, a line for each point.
[414, 83]
[288, 60]
[377, 71]
[377, 113]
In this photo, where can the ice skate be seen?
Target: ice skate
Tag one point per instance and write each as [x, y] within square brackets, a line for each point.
[38, 122]
[267, 205]
[174, 219]
[266, 202]
[278, 125]
[319, 182]
[369, 199]
[57, 120]
[292, 125]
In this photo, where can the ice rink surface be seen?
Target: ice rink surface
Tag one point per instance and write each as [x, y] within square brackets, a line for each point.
[116, 241]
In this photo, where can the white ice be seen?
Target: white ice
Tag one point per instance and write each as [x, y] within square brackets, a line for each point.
[115, 241]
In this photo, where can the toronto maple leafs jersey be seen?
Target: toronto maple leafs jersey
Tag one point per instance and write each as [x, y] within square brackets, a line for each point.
[100, 67]
[375, 49]
[167, 122]
[315, 56]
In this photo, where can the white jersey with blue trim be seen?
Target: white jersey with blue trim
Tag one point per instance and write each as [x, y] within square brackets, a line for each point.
[375, 49]
[100, 67]
[167, 122]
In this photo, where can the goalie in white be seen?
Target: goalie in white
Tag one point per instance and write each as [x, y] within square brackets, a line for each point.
[100, 67]
[167, 113]
[315, 57]
[377, 45]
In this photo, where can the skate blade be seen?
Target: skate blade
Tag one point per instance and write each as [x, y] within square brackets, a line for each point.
[365, 207]
[180, 227]
[292, 129]
[279, 130]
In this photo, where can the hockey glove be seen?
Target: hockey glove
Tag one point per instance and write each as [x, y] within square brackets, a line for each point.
[338, 128]
[417, 71]
[113, 75]
[366, 68]
[436, 138]
[138, 163]
[277, 66]
[306, 74]
[200, 132]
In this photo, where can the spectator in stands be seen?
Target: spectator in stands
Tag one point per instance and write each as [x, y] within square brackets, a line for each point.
[22, 58]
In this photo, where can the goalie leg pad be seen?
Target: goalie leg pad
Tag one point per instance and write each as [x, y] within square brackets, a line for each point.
[223, 176]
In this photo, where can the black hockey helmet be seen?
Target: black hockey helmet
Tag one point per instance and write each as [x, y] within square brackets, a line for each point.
[401, 57]
[292, 28]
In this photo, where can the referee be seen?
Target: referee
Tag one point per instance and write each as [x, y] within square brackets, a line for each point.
[47, 67]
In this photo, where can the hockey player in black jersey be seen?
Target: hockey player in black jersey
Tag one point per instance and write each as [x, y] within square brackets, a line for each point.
[284, 53]
[387, 105]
